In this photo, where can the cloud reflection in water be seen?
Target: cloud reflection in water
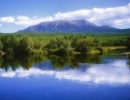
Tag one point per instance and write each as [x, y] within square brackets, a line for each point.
[115, 72]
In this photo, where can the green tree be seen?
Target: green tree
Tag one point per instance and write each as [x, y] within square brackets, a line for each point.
[83, 46]
[128, 43]
[1, 45]
[97, 43]
[10, 44]
[59, 45]
[26, 45]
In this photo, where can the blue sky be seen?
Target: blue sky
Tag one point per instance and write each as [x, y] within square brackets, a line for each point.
[19, 14]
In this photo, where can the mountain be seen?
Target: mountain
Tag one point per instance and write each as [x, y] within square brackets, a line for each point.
[68, 26]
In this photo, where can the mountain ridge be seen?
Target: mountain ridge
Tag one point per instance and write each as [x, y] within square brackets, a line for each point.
[68, 26]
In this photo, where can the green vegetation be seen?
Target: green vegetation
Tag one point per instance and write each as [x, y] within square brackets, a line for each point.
[62, 43]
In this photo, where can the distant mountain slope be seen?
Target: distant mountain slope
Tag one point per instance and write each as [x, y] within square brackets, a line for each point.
[68, 26]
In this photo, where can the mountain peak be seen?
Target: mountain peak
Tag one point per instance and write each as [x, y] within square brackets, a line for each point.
[66, 26]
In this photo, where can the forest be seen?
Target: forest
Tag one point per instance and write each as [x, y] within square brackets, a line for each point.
[62, 43]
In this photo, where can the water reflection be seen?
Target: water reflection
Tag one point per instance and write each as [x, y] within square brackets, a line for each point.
[73, 61]
[115, 71]
[16, 61]
[57, 61]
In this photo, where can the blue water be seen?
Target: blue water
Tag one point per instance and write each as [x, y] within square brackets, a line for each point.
[108, 80]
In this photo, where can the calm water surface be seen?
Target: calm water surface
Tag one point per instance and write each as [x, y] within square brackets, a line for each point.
[81, 77]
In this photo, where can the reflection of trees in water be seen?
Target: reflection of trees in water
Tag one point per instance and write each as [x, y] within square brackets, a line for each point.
[57, 61]
[116, 51]
[88, 58]
[18, 60]
[73, 61]
[28, 61]
[129, 60]
[9, 61]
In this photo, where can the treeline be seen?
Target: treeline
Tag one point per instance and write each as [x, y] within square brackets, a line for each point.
[17, 44]
[61, 44]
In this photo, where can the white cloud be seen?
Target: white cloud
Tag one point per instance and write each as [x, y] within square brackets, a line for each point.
[0, 24]
[23, 18]
[26, 21]
[114, 16]
[7, 19]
